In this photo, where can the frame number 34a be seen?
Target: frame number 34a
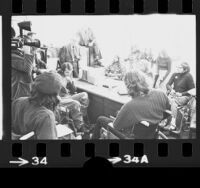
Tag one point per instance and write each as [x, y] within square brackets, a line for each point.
[129, 159]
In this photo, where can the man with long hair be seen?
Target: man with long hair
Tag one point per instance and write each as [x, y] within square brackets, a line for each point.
[37, 112]
[146, 105]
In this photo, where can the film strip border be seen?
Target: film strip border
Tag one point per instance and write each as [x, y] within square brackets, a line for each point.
[100, 6]
[81, 153]
[84, 153]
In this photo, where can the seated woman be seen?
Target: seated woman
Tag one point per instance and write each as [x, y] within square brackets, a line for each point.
[76, 103]
[146, 105]
[37, 112]
[178, 86]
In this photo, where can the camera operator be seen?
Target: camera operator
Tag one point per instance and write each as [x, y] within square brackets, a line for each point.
[22, 66]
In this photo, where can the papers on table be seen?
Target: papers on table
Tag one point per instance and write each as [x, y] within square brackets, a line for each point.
[110, 124]
[63, 130]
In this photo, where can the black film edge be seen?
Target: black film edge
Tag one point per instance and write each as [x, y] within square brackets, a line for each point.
[79, 153]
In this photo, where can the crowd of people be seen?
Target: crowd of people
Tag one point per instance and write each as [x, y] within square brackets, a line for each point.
[40, 103]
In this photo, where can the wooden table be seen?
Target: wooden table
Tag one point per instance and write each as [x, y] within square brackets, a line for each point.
[103, 101]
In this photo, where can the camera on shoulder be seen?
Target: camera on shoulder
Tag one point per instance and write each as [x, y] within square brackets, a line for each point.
[23, 40]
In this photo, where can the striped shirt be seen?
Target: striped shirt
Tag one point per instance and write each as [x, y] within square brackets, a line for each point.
[149, 108]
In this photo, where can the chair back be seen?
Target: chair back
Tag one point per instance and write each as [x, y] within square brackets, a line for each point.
[144, 130]
[27, 136]
[111, 133]
[15, 136]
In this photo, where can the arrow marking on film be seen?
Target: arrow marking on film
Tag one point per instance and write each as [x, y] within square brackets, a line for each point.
[115, 160]
[20, 162]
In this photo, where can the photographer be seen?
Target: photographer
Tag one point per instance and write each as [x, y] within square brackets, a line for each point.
[22, 67]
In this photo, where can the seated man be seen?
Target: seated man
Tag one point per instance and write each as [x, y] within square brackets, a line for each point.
[146, 105]
[76, 103]
[178, 86]
[37, 112]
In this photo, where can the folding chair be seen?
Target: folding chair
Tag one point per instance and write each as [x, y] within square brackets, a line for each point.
[111, 133]
[182, 120]
[142, 130]
[27, 136]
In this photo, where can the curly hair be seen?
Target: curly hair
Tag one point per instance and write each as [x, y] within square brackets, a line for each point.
[136, 83]
[50, 101]
[67, 65]
[185, 66]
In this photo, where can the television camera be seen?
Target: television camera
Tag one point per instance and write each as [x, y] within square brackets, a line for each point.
[23, 40]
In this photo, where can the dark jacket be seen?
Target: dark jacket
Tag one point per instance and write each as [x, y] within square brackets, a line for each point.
[181, 83]
[22, 65]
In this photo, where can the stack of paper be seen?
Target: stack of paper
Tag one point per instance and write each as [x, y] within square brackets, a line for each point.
[63, 130]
